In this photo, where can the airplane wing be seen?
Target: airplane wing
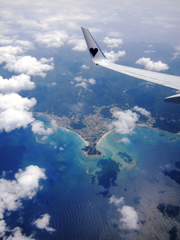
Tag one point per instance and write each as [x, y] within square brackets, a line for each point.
[99, 58]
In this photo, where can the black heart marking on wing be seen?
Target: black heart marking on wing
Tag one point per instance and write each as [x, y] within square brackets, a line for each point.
[93, 51]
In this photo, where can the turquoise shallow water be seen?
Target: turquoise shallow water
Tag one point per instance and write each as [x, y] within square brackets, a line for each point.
[79, 207]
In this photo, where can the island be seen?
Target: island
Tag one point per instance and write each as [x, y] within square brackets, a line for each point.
[91, 128]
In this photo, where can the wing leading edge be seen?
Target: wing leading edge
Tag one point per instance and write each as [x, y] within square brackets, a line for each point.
[158, 78]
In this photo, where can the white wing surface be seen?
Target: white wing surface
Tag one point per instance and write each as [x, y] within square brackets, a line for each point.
[159, 78]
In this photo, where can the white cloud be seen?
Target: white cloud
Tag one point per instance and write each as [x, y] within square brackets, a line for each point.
[2, 227]
[83, 82]
[16, 84]
[25, 45]
[124, 140]
[54, 84]
[116, 201]
[142, 111]
[11, 50]
[47, 60]
[44, 138]
[14, 111]
[54, 39]
[94, 30]
[85, 67]
[38, 128]
[114, 34]
[129, 219]
[150, 65]
[78, 79]
[15, 101]
[125, 123]
[149, 51]
[113, 42]
[28, 180]
[12, 119]
[29, 65]
[17, 235]
[25, 186]
[6, 40]
[113, 57]
[43, 223]
[91, 81]
[79, 45]
[72, 25]
[176, 55]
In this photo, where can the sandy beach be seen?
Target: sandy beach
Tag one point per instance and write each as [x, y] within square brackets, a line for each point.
[104, 136]
[85, 142]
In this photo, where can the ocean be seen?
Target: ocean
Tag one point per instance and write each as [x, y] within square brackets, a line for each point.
[77, 190]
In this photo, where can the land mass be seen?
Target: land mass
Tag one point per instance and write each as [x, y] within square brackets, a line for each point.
[91, 128]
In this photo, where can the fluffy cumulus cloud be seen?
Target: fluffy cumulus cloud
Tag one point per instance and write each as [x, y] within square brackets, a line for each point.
[23, 44]
[4, 40]
[14, 111]
[153, 66]
[125, 123]
[85, 67]
[30, 66]
[113, 42]
[113, 57]
[78, 44]
[116, 201]
[25, 185]
[16, 84]
[16, 234]
[142, 111]
[82, 82]
[38, 128]
[2, 227]
[176, 54]
[128, 216]
[10, 50]
[43, 223]
[54, 39]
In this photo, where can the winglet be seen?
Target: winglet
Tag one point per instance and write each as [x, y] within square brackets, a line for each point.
[94, 50]
[173, 99]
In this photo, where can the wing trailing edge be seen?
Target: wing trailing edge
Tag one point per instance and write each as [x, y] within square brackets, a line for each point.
[163, 79]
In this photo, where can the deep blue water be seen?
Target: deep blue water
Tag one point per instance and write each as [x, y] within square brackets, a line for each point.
[77, 207]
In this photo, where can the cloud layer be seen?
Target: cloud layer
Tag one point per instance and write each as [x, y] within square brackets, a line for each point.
[53, 39]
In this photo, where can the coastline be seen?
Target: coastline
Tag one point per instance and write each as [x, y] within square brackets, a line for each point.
[103, 137]
[85, 142]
